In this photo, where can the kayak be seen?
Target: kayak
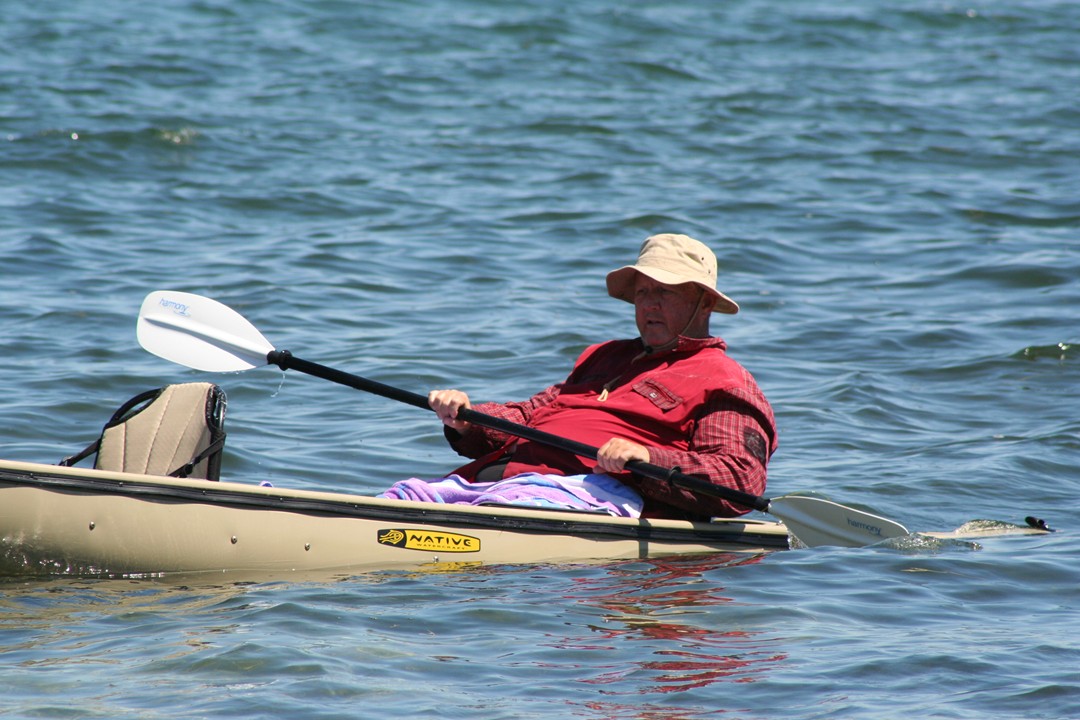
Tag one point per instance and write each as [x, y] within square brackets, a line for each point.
[133, 517]
[87, 522]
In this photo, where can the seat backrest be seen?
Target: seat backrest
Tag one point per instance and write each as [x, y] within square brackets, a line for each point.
[177, 430]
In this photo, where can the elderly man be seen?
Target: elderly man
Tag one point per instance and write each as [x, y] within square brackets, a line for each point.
[671, 397]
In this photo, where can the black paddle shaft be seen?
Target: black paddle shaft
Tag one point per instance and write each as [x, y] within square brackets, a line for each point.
[287, 361]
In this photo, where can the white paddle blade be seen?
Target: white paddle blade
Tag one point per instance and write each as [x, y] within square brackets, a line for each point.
[816, 522]
[200, 333]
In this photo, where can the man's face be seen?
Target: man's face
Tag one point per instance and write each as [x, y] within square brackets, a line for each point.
[663, 311]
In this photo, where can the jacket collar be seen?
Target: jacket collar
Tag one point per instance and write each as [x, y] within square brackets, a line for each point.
[687, 345]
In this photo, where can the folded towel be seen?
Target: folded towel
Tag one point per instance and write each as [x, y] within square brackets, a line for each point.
[575, 492]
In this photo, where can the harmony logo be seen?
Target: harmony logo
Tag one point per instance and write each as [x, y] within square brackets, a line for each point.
[870, 529]
[429, 540]
[178, 308]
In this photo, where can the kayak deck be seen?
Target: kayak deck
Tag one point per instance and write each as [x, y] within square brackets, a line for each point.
[89, 522]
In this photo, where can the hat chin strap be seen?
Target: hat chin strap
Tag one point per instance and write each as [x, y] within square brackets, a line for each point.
[649, 350]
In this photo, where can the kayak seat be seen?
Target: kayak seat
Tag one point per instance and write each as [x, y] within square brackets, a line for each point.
[176, 430]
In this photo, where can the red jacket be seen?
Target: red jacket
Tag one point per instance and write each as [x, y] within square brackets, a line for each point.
[693, 407]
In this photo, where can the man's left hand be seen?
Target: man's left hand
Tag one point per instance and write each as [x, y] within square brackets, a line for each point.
[616, 452]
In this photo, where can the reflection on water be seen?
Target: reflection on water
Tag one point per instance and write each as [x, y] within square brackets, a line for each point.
[677, 615]
[56, 621]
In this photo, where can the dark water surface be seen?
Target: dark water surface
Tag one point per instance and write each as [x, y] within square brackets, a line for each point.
[429, 194]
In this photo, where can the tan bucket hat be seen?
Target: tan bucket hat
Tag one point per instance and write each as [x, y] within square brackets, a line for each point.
[673, 260]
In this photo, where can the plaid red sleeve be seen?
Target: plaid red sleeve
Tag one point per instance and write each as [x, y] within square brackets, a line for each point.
[478, 440]
[731, 445]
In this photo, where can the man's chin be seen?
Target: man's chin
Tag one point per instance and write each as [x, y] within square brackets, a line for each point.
[655, 340]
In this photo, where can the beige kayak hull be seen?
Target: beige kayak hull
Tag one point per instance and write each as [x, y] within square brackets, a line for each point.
[87, 522]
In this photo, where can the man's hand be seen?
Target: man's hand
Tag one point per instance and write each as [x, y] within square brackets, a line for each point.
[616, 452]
[446, 404]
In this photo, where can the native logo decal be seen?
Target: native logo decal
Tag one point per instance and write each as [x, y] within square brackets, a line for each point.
[429, 540]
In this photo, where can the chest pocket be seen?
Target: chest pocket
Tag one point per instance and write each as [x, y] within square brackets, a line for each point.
[660, 396]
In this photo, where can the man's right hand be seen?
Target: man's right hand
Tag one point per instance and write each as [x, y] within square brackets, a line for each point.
[446, 404]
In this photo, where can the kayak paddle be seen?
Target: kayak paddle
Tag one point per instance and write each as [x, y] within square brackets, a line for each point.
[204, 334]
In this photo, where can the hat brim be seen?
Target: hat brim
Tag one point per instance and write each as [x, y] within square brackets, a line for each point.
[620, 285]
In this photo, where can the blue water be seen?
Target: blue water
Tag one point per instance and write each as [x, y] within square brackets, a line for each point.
[429, 194]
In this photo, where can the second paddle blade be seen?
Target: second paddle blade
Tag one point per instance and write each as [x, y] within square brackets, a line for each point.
[818, 522]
